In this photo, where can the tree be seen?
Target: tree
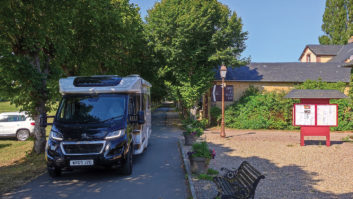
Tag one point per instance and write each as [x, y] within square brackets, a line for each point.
[190, 39]
[337, 22]
[41, 41]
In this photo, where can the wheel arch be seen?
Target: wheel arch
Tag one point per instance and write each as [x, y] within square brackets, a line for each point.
[23, 129]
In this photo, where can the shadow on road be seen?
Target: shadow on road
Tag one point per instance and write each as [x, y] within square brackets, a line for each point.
[281, 182]
[157, 173]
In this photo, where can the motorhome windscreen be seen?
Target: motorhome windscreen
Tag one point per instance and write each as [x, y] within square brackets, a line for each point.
[91, 108]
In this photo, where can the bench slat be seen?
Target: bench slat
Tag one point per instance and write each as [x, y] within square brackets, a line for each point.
[225, 186]
[242, 179]
[253, 170]
[248, 173]
[243, 184]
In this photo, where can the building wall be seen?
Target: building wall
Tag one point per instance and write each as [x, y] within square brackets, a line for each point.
[324, 59]
[240, 87]
[312, 56]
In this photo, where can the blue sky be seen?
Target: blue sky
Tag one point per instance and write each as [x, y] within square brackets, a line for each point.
[278, 29]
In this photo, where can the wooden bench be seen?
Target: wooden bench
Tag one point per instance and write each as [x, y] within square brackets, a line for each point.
[240, 183]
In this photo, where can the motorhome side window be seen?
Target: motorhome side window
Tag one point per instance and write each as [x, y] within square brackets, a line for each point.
[133, 107]
[144, 102]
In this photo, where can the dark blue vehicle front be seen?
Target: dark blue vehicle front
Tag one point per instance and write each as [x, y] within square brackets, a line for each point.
[90, 130]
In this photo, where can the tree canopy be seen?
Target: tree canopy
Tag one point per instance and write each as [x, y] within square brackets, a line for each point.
[337, 22]
[41, 41]
[190, 39]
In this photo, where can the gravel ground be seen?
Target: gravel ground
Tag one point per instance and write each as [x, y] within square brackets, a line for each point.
[292, 171]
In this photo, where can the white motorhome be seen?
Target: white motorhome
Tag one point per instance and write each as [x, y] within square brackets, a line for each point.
[101, 121]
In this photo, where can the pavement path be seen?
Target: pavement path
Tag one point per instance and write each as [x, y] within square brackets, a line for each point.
[157, 173]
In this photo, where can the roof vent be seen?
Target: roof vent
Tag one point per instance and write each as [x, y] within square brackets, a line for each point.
[97, 81]
[134, 75]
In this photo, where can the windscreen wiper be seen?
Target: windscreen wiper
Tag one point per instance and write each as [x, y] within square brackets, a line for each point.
[119, 116]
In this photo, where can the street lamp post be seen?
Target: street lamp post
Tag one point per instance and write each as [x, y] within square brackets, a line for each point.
[223, 73]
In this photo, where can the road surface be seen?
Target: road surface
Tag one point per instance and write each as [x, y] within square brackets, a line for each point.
[157, 173]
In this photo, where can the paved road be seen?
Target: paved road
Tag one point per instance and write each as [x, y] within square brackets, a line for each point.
[157, 173]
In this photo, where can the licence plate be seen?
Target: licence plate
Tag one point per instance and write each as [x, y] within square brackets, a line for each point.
[81, 162]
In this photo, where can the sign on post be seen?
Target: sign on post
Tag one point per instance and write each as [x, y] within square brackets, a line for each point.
[217, 93]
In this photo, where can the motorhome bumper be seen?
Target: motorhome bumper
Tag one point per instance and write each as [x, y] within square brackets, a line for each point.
[97, 161]
[112, 154]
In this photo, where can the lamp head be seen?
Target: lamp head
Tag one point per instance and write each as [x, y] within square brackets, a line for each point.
[223, 71]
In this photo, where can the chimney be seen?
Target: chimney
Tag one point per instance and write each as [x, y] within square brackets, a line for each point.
[350, 40]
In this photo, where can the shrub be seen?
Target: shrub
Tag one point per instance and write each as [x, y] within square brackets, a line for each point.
[345, 115]
[195, 127]
[203, 123]
[256, 110]
[200, 149]
[270, 110]
[187, 122]
[215, 115]
[195, 131]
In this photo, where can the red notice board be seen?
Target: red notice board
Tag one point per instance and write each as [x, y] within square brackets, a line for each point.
[315, 114]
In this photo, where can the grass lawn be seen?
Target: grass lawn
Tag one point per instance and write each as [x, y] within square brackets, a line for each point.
[17, 164]
[6, 107]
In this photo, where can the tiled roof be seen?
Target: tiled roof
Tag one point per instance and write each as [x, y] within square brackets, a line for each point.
[288, 72]
[325, 49]
[343, 54]
[315, 94]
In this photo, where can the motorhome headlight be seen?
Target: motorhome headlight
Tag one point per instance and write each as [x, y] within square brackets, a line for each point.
[115, 134]
[56, 135]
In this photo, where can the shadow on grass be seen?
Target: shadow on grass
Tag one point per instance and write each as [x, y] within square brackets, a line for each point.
[21, 171]
[281, 182]
[4, 145]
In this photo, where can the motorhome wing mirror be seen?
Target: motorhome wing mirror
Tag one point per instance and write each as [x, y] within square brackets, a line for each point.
[141, 117]
[43, 120]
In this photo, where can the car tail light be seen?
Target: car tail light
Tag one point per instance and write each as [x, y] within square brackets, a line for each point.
[32, 123]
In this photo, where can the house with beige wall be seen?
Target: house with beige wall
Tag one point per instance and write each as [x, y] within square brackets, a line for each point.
[319, 53]
[326, 62]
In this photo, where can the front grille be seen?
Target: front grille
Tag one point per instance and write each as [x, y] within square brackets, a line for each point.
[82, 148]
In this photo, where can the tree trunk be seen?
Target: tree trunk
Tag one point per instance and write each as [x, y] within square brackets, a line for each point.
[184, 110]
[39, 137]
[39, 132]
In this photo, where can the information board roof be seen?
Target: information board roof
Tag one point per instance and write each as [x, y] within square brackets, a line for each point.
[315, 94]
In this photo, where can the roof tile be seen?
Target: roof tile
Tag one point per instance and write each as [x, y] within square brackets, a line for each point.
[288, 72]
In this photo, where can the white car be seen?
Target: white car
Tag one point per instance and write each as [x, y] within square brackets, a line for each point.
[16, 124]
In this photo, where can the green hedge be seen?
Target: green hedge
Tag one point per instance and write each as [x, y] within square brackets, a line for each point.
[270, 110]
[256, 110]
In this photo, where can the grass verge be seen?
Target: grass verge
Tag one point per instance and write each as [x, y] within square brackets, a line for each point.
[17, 164]
[209, 175]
